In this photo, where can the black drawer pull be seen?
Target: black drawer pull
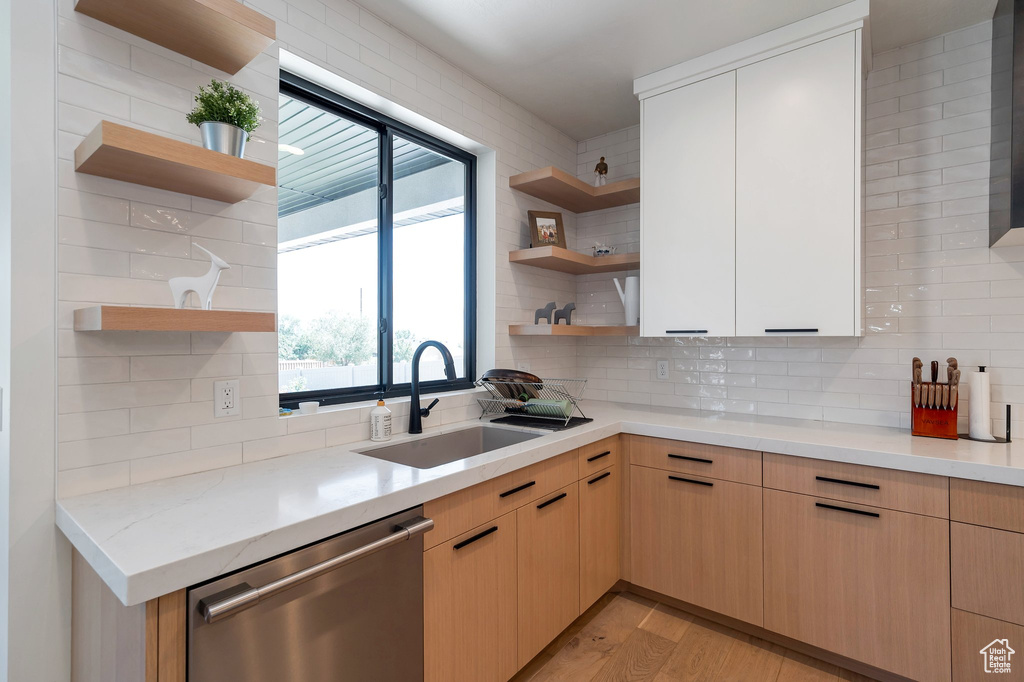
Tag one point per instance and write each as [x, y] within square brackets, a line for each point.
[690, 480]
[596, 457]
[686, 331]
[515, 490]
[846, 509]
[482, 534]
[693, 459]
[554, 499]
[807, 330]
[595, 480]
[840, 481]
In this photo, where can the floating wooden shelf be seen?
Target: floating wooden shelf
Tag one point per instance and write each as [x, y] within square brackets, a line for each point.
[126, 318]
[225, 34]
[115, 151]
[570, 330]
[558, 187]
[564, 260]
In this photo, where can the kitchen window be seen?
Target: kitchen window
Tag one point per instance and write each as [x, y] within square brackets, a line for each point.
[376, 251]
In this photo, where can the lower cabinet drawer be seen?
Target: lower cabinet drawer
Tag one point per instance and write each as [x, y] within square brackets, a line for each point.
[697, 539]
[863, 582]
[987, 570]
[888, 488]
[982, 649]
[467, 508]
[713, 461]
[987, 504]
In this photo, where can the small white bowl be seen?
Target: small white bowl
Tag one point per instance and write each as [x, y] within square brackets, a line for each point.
[309, 408]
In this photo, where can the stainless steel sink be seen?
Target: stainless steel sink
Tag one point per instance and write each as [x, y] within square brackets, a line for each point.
[427, 453]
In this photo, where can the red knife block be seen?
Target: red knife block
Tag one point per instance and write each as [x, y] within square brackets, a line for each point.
[932, 423]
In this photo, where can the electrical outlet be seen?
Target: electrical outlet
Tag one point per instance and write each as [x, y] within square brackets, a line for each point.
[227, 401]
[662, 370]
[523, 367]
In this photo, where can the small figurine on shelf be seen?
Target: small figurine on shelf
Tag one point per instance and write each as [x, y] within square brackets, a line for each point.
[601, 173]
[603, 250]
[565, 314]
[203, 285]
[544, 313]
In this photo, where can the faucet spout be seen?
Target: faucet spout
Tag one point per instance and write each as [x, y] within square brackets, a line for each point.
[416, 413]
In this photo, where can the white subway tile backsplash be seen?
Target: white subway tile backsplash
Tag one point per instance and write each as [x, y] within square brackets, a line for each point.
[139, 407]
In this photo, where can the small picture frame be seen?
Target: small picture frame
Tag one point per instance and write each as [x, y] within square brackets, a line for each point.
[546, 229]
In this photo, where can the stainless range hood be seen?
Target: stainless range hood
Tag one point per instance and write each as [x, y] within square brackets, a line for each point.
[1006, 199]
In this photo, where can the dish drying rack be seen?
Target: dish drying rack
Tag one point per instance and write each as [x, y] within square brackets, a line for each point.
[506, 398]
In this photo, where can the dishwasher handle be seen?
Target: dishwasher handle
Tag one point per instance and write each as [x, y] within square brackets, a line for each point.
[243, 598]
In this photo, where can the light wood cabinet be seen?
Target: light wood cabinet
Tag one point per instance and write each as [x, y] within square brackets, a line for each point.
[981, 563]
[469, 591]
[697, 539]
[971, 635]
[600, 455]
[600, 519]
[798, 191]
[713, 461]
[888, 488]
[457, 513]
[548, 559]
[987, 504]
[687, 205]
[864, 582]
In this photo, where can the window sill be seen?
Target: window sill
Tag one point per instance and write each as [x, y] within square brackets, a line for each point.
[399, 405]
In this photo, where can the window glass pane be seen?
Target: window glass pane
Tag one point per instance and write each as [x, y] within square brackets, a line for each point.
[429, 259]
[327, 250]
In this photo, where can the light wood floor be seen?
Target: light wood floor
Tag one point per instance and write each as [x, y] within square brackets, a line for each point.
[627, 637]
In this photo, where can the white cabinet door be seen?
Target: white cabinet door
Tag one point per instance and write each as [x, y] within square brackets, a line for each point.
[797, 191]
[687, 210]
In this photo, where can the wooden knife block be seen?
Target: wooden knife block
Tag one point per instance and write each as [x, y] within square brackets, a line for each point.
[933, 423]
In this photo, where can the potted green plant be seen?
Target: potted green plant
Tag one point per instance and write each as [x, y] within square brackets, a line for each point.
[226, 116]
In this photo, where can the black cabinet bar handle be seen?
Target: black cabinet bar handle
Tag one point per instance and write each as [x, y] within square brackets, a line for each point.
[692, 459]
[515, 490]
[840, 481]
[690, 480]
[686, 331]
[603, 454]
[476, 537]
[554, 499]
[595, 480]
[846, 509]
[808, 330]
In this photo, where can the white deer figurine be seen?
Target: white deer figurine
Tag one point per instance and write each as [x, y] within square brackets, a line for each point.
[203, 286]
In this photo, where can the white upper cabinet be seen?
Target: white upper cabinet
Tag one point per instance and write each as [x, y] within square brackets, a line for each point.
[688, 240]
[750, 207]
[797, 191]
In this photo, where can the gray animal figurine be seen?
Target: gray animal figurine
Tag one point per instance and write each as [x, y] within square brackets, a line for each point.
[565, 314]
[544, 313]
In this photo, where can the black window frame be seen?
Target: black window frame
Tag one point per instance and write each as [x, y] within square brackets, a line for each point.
[387, 127]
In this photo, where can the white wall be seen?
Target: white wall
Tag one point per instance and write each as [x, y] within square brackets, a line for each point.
[933, 287]
[38, 586]
[5, 319]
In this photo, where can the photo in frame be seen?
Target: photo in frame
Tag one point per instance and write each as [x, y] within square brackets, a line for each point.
[546, 229]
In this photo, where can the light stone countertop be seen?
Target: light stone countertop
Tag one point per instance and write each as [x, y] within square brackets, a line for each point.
[151, 539]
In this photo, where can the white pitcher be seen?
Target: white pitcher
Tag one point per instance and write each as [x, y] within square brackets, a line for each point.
[630, 299]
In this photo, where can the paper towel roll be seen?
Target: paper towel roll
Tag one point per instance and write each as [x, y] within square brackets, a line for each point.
[980, 406]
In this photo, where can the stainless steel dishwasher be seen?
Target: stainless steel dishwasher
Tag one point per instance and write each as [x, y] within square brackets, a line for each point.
[345, 609]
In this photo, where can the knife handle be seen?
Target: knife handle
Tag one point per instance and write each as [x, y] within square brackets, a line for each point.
[935, 371]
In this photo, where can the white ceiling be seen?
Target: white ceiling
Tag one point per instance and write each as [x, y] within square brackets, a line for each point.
[572, 62]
